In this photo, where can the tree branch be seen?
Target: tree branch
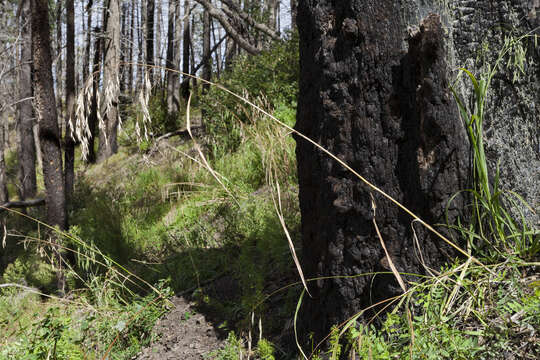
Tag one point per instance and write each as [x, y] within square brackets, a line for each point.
[22, 204]
[220, 16]
[214, 48]
[235, 10]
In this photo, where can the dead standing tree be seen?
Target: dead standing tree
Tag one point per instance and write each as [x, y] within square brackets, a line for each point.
[108, 143]
[49, 132]
[383, 106]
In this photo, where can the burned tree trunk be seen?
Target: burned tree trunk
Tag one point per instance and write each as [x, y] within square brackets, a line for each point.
[186, 51]
[45, 106]
[171, 70]
[69, 155]
[390, 116]
[108, 136]
[382, 105]
[3, 176]
[25, 120]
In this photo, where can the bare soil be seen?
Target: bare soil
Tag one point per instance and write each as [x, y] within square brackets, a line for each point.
[182, 333]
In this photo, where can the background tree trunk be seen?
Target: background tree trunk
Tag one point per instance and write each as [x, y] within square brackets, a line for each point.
[45, 106]
[186, 50]
[172, 48]
[69, 155]
[26, 148]
[93, 116]
[294, 11]
[58, 67]
[4, 198]
[150, 7]
[158, 53]
[108, 143]
[207, 57]
[383, 106]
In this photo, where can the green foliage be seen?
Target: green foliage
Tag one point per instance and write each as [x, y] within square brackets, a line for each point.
[31, 270]
[57, 330]
[230, 351]
[265, 350]
[494, 230]
[269, 79]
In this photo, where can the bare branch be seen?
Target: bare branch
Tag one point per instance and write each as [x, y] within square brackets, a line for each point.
[231, 31]
[21, 204]
[234, 9]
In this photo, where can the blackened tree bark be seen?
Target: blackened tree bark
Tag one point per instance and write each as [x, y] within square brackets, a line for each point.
[108, 136]
[173, 103]
[26, 148]
[150, 7]
[93, 115]
[59, 65]
[45, 107]
[294, 7]
[382, 105]
[158, 52]
[49, 133]
[69, 152]
[4, 198]
[186, 50]
[124, 20]
[207, 59]
[129, 80]
[389, 115]
[88, 46]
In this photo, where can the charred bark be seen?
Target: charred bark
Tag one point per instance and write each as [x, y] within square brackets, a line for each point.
[389, 114]
[45, 106]
[150, 7]
[26, 148]
[69, 152]
[207, 59]
[3, 176]
[108, 136]
[93, 116]
[382, 105]
[173, 101]
[186, 51]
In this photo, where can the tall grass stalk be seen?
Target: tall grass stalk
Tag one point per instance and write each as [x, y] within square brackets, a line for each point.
[494, 210]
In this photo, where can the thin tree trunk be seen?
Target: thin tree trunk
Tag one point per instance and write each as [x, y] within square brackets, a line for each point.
[150, 7]
[207, 57]
[86, 60]
[46, 111]
[108, 139]
[231, 50]
[177, 53]
[93, 116]
[69, 161]
[192, 56]
[171, 66]
[158, 52]
[142, 45]
[59, 60]
[131, 46]
[4, 198]
[294, 12]
[49, 133]
[123, 46]
[25, 120]
[272, 10]
[218, 50]
[185, 51]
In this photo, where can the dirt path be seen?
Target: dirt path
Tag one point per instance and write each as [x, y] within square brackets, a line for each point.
[184, 334]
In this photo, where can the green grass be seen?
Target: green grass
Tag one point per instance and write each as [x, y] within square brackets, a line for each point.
[152, 211]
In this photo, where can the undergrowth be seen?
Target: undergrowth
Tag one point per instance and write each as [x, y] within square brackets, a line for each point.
[155, 211]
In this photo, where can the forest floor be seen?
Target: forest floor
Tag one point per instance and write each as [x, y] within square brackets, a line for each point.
[183, 333]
